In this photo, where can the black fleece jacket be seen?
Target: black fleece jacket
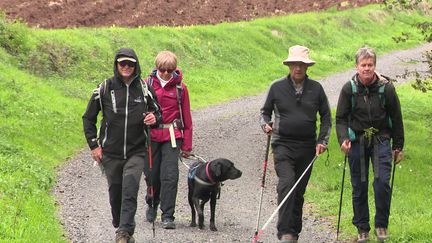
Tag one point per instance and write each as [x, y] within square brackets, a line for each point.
[122, 131]
[370, 111]
[296, 116]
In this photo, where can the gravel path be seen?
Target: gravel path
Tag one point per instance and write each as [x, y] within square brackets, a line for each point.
[228, 130]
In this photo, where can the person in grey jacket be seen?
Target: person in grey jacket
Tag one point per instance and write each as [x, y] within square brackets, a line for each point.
[295, 101]
[128, 107]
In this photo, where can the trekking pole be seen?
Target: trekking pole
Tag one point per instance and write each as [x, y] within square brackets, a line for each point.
[149, 152]
[261, 231]
[262, 185]
[392, 180]
[340, 199]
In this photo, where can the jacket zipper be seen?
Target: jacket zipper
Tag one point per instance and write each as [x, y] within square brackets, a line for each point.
[126, 121]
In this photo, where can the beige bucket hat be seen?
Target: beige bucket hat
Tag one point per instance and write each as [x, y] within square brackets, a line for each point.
[299, 54]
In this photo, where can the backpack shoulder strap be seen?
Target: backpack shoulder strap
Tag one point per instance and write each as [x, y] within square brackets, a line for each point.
[144, 86]
[179, 99]
[179, 89]
[100, 92]
[353, 93]
[381, 94]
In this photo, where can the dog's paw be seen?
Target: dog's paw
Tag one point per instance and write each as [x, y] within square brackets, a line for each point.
[201, 226]
[193, 224]
[213, 228]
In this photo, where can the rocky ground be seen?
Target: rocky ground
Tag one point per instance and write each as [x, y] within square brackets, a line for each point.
[227, 130]
[133, 13]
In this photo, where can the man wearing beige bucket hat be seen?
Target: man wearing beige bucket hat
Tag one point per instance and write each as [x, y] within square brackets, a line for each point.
[295, 101]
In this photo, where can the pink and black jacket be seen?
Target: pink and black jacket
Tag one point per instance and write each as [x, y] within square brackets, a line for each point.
[167, 98]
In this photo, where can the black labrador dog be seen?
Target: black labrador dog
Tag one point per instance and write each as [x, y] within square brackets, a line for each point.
[204, 182]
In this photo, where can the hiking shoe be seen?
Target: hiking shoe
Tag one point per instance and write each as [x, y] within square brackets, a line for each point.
[381, 234]
[168, 224]
[363, 237]
[123, 237]
[151, 213]
[288, 238]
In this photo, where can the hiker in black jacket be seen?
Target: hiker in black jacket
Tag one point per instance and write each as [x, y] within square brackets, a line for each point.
[295, 101]
[368, 117]
[128, 106]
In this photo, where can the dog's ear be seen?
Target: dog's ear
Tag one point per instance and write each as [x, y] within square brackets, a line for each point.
[217, 169]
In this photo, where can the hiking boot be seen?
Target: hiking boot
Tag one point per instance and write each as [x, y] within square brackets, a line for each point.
[151, 213]
[363, 237]
[168, 224]
[288, 238]
[124, 237]
[381, 234]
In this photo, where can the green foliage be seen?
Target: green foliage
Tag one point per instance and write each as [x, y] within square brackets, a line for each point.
[422, 83]
[410, 214]
[402, 4]
[14, 36]
[46, 77]
[50, 58]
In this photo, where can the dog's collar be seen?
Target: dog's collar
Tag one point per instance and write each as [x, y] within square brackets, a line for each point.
[208, 173]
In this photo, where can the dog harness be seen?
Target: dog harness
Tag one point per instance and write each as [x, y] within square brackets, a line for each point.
[192, 176]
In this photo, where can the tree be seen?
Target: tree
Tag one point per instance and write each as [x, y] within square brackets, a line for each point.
[422, 82]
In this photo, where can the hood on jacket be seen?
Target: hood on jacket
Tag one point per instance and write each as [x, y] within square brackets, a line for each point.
[176, 79]
[127, 52]
[379, 80]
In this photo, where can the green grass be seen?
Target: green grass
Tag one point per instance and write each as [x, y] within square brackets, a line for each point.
[46, 77]
[410, 215]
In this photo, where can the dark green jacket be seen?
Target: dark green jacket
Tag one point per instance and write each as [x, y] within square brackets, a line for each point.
[370, 111]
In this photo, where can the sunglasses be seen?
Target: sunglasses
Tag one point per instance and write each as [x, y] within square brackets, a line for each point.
[126, 63]
[162, 70]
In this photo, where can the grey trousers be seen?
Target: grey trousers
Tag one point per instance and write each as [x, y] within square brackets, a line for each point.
[123, 177]
[165, 176]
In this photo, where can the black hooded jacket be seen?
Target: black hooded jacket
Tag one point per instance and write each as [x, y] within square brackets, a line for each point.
[122, 130]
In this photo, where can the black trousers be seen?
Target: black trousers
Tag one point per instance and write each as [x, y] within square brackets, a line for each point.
[291, 160]
[123, 177]
[165, 176]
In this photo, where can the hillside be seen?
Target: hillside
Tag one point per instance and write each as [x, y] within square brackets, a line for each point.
[134, 13]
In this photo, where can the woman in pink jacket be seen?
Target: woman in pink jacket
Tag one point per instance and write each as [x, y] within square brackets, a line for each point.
[171, 139]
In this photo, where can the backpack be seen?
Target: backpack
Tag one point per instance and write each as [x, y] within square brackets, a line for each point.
[100, 91]
[354, 93]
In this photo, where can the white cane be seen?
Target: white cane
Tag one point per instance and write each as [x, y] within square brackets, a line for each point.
[284, 200]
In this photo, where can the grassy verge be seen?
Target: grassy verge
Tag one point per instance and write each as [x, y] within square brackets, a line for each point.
[410, 214]
[46, 77]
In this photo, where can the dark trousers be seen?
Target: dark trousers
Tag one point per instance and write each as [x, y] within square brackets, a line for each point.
[123, 177]
[381, 184]
[165, 174]
[291, 160]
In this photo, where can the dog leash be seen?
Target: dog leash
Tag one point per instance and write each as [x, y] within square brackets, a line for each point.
[194, 156]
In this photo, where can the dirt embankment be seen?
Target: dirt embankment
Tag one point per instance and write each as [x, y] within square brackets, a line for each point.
[133, 13]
